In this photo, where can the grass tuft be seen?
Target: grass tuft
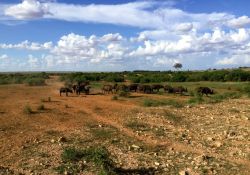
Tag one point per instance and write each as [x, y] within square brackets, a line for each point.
[114, 97]
[98, 155]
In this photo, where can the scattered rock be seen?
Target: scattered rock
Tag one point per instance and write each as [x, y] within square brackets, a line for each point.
[62, 139]
[184, 172]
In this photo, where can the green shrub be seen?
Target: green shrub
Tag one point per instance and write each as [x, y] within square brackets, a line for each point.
[114, 97]
[124, 94]
[35, 81]
[27, 110]
[98, 155]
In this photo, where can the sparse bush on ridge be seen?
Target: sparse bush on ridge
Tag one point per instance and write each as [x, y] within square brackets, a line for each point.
[20, 78]
[35, 81]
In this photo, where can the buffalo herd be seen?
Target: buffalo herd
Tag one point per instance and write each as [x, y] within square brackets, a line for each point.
[134, 87]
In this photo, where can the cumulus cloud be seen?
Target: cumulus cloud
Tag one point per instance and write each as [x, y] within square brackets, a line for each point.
[239, 22]
[28, 9]
[73, 48]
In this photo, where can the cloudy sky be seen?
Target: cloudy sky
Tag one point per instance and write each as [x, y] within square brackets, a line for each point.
[117, 35]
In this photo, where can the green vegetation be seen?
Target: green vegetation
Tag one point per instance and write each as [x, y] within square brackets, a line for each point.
[246, 89]
[220, 97]
[196, 99]
[97, 155]
[124, 94]
[35, 81]
[27, 110]
[154, 103]
[32, 79]
[114, 97]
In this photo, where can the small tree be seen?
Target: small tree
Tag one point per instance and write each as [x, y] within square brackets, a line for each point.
[177, 66]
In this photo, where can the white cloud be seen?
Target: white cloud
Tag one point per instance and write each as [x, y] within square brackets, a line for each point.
[27, 45]
[239, 22]
[28, 9]
[158, 15]
[3, 57]
[235, 60]
[184, 27]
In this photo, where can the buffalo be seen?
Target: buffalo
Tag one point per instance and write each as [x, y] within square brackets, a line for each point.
[65, 90]
[145, 89]
[122, 87]
[132, 87]
[168, 88]
[157, 87]
[205, 90]
[107, 88]
[82, 88]
[179, 90]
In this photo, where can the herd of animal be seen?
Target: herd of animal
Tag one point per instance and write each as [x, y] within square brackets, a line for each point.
[141, 88]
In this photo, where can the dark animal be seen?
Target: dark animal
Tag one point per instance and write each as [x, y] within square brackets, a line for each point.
[179, 90]
[122, 87]
[74, 88]
[107, 88]
[82, 88]
[168, 88]
[205, 90]
[132, 87]
[157, 87]
[144, 88]
[65, 90]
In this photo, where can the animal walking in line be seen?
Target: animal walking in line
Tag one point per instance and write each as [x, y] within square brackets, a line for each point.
[145, 89]
[133, 87]
[65, 90]
[205, 90]
[82, 88]
[157, 87]
[107, 88]
[179, 90]
[168, 88]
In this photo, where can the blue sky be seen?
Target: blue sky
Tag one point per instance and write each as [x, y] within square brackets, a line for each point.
[77, 35]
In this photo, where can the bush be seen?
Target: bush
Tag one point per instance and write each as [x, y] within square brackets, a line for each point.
[114, 97]
[27, 110]
[35, 81]
[124, 94]
[98, 155]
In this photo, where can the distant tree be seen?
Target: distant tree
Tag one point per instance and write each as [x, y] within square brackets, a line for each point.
[177, 66]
